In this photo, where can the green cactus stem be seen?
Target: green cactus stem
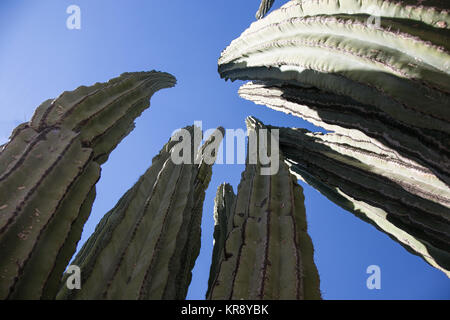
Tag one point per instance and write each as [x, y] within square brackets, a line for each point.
[262, 249]
[400, 67]
[404, 200]
[146, 246]
[433, 13]
[48, 172]
[345, 116]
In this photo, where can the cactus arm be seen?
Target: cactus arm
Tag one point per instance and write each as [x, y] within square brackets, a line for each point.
[224, 203]
[48, 171]
[403, 71]
[146, 247]
[38, 279]
[434, 13]
[267, 253]
[264, 7]
[373, 183]
[201, 183]
[345, 116]
[29, 219]
[102, 253]
[420, 90]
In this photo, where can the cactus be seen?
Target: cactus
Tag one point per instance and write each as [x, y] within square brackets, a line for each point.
[264, 7]
[343, 115]
[224, 205]
[262, 249]
[146, 246]
[382, 88]
[404, 200]
[432, 13]
[399, 68]
[48, 172]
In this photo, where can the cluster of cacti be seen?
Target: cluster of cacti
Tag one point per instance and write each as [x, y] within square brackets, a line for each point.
[48, 172]
[262, 249]
[146, 246]
[375, 72]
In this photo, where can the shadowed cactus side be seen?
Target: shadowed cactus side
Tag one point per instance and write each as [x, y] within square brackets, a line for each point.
[405, 201]
[264, 7]
[48, 172]
[146, 246]
[262, 249]
[224, 205]
[326, 54]
[343, 115]
[377, 74]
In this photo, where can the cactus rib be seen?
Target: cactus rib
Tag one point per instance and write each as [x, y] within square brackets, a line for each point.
[426, 148]
[262, 250]
[48, 172]
[400, 67]
[146, 246]
[407, 203]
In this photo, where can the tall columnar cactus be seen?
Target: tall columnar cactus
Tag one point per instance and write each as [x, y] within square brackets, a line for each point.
[262, 249]
[224, 205]
[146, 246]
[402, 199]
[382, 60]
[48, 172]
[343, 115]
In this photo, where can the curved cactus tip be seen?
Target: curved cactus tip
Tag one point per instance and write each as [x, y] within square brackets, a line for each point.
[264, 7]
[253, 122]
[170, 76]
[48, 172]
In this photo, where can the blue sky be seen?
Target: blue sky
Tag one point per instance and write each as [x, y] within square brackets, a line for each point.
[40, 58]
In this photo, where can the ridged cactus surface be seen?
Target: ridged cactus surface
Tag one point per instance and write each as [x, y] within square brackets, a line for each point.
[224, 204]
[48, 172]
[402, 199]
[346, 116]
[385, 61]
[377, 74]
[262, 249]
[146, 246]
[264, 7]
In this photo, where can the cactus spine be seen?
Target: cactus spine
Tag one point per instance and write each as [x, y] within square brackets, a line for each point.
[262, 249]
[146, 246]
[48, 172]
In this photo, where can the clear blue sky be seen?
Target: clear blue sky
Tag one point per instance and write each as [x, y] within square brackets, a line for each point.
[40, 58]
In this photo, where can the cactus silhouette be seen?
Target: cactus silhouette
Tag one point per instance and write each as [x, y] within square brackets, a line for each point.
[48, 172]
